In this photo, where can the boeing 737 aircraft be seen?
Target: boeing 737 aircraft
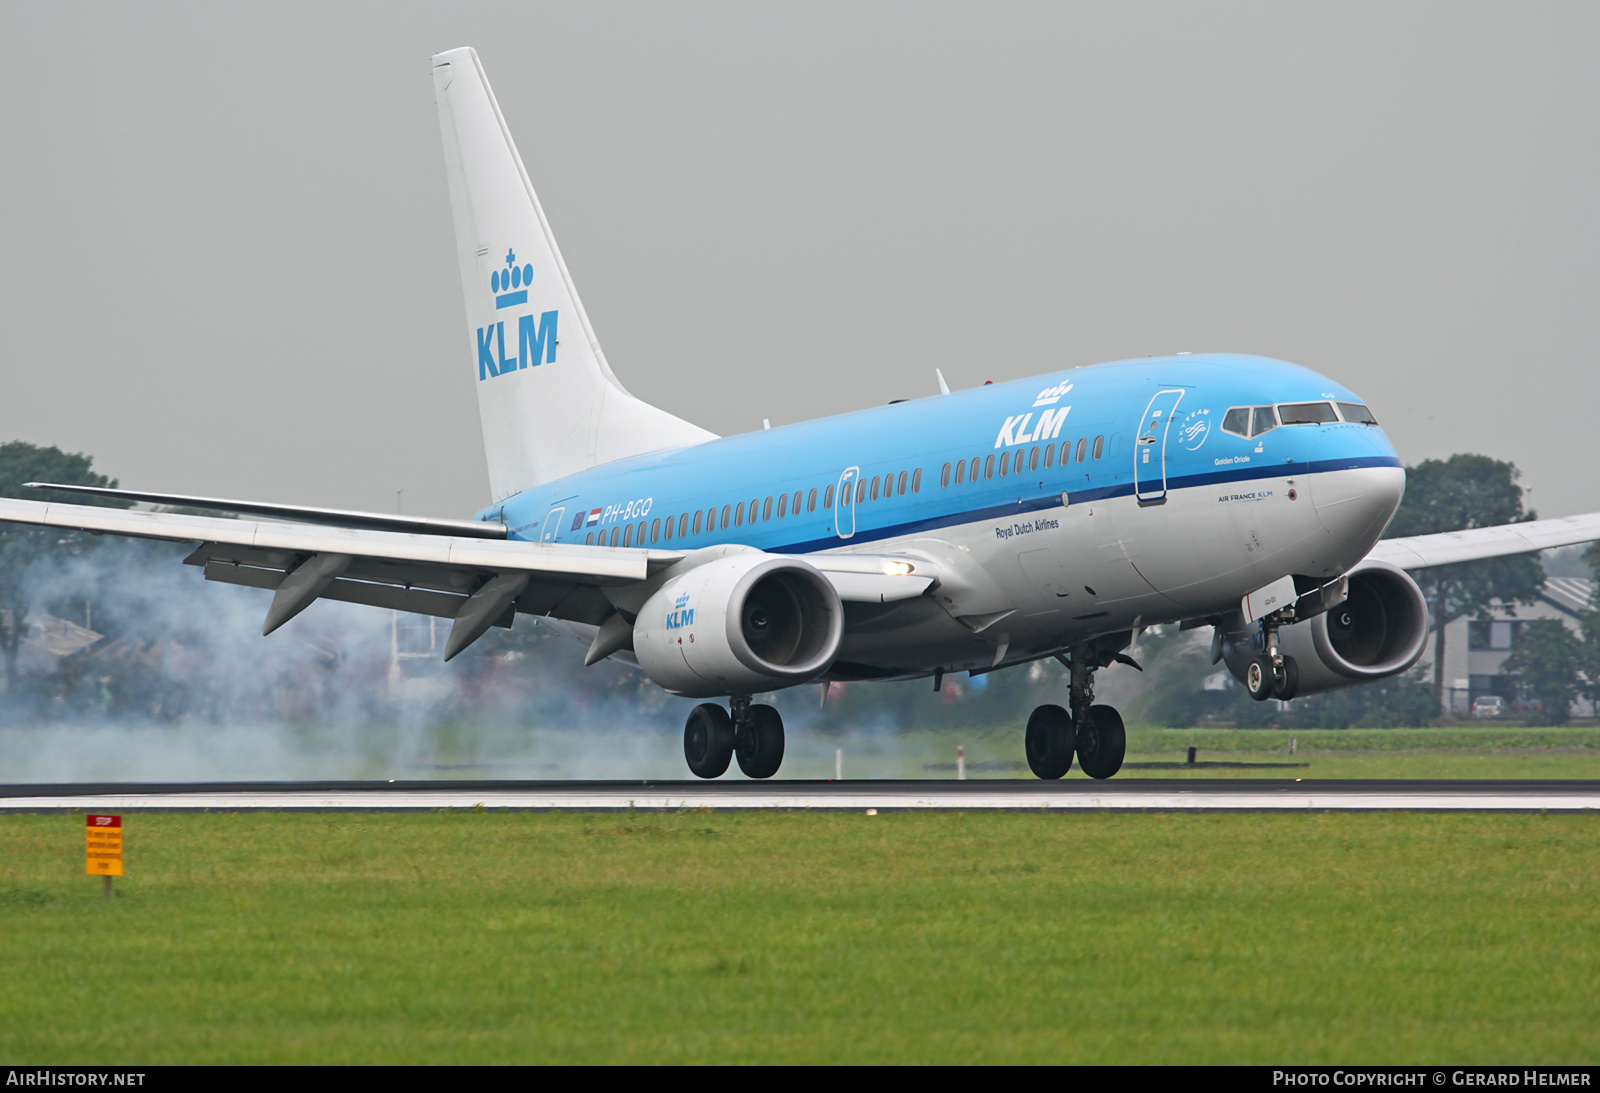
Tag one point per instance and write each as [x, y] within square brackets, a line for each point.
[968, 531]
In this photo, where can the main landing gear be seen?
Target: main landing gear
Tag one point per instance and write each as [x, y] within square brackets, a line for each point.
[713, 737]
[1272, 674]
[1094, 733]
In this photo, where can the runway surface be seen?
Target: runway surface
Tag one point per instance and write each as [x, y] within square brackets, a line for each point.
[1132, 793]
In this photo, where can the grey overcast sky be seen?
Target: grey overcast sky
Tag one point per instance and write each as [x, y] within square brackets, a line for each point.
[226, 263]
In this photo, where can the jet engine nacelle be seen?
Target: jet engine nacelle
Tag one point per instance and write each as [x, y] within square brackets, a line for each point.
[1377, 632]
[744, 623]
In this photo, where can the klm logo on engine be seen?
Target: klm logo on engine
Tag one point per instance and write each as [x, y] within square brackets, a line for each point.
[535, 339]
[680, 616]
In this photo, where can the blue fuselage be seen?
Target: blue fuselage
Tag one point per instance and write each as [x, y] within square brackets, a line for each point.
[1145, 490]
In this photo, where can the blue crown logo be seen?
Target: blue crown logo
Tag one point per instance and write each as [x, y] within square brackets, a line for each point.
[510, 285]
[681, 600]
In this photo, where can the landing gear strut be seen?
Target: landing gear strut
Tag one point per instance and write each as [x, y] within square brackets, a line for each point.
[713, 737]
[1094, 733]
[1272, 674]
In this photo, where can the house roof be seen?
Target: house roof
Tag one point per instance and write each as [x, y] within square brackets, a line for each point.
[1568, 594]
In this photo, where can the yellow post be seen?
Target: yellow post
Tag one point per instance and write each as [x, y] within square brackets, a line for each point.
[104, 848]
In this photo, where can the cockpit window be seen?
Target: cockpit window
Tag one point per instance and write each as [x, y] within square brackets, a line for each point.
[1306, 413]
[1265, 421]
[1354, 411]
[1237, 420]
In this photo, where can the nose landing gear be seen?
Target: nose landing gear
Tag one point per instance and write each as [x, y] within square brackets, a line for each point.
[713, 737]
[1273, 674]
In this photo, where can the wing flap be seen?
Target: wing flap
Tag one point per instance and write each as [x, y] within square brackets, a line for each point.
[582, 563]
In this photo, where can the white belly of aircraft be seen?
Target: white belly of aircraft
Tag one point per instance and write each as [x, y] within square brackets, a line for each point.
[1018, 588]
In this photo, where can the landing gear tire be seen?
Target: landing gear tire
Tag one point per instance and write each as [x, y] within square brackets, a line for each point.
[759, 743]
[708, 740]
[1050, 742]
[1286, 684]
[1258, 679]
[1102, 742]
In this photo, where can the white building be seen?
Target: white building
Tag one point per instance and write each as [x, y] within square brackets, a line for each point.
[1474, 651]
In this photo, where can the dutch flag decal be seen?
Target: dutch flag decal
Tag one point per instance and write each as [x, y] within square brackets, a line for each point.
[594, 517]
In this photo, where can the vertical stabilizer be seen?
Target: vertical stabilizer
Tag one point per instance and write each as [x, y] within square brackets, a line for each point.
[549, 403]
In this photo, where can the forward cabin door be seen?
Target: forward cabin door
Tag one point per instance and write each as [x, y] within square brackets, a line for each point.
[1150, 450]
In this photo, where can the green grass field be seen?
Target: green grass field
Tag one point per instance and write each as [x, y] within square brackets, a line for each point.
[793, 937]
[1459, 752]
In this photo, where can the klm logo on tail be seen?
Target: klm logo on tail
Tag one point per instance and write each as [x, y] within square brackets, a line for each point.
[535, 339]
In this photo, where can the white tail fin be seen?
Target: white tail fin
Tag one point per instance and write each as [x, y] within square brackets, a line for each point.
[549, 403]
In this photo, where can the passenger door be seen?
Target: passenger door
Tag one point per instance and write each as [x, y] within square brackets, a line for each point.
[844, 503]
[1150, 449]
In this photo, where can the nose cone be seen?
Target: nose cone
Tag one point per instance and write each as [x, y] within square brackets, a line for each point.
[1358, 482]
[1354, 504]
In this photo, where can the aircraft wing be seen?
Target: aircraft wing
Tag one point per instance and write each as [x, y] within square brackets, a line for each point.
[477, 582]
[1422, 551]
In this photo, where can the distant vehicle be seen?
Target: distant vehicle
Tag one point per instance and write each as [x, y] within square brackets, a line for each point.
[1052, 518]
[1488, 706]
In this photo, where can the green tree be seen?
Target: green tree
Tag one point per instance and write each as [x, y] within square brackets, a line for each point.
[1545, 661]
[1590, 654]
[1465, 491]
[21, 545]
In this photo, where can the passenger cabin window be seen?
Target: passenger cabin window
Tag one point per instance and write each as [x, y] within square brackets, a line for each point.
[766, 509]
[1005, 464]
[783, 505]
[698, 516]
[797, 494]
[738, 515]
[614, 533]
[811, 499]
[1307, 413]
[988, 467]
[727, 514]
[874, 487]
[588, 540]
[900, 485]
[827, 498]
[683, 524]
[961, 472]
[916, 481]
[1099, 446]
[972, 471]
[1033, 460]
[1049, 456]
[1357, 413]
[944, 477]
[1264, 421]
[1083, 448]
[655, 529]
[1237, 421]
